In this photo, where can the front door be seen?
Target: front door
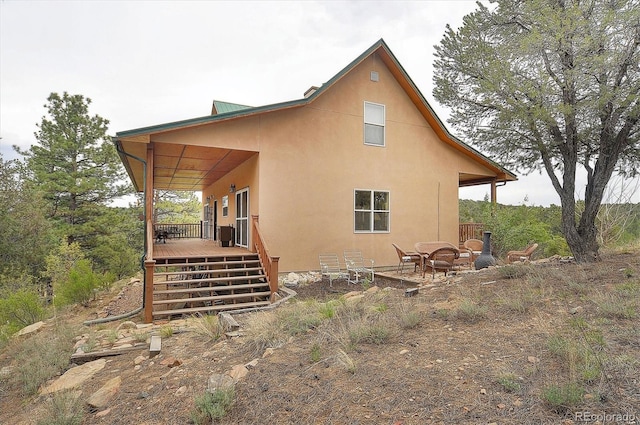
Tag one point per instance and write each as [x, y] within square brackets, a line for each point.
[242, 218]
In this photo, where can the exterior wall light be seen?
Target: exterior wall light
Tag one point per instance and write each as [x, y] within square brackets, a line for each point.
[232, 188]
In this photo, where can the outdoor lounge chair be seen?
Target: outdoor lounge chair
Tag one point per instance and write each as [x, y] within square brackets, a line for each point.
[441, 259]
[330, 267]
[475, 246]
[357, 266]
[525, 255]
[406, 257]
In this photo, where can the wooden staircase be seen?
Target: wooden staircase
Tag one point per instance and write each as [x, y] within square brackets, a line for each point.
[208, 284]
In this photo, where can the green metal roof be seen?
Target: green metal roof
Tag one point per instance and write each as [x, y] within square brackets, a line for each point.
[220, 107]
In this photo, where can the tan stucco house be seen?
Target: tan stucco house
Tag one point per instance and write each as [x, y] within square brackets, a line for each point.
[360, 162]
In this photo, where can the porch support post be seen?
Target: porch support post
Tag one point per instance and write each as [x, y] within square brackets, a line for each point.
[149, 263]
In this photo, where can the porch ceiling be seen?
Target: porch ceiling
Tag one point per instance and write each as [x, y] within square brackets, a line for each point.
[181, 167]
[468, 179]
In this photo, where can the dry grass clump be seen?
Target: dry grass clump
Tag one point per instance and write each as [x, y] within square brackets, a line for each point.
[208, 326]
[41, 357]
[63, 408]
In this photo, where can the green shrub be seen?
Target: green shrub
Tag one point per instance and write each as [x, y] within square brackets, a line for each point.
[212, 406]
[315, 353]
[563, 397]
[79, 286]
[509, 382]
[20, 309]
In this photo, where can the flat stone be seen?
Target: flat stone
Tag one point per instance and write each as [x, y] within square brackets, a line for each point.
[101, 398]
[74, 376]
[34, 327]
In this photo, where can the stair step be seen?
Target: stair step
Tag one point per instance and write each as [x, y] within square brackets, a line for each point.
[212, 280]
[213, 298]
[251, 260]
[209, 271]
[210, 288]
[221, 307]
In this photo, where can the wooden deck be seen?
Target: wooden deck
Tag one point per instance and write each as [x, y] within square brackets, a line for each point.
[180, 248]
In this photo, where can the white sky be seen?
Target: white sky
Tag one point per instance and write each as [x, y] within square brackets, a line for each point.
[151, 62]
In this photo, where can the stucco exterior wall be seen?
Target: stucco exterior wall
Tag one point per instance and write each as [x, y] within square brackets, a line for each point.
[311, 159]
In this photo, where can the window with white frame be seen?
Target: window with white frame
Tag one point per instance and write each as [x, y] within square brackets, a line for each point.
[371, 211]
[225, 205]
[373, 124]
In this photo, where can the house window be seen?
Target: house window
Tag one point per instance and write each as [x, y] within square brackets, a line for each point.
[373, 124]
[371, 211]
[225, 206]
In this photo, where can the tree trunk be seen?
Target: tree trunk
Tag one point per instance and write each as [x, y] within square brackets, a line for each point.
[581, 239]
[583, 245]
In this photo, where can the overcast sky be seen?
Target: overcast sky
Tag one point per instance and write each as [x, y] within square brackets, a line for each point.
[151, 62]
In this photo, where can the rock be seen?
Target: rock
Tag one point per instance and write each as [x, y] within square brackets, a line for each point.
[229, 324]
[352, 294]
[74, 376]
[372, 290]
[34, 327]
[219, 381]
[404, 352]
[253, 363]
[171, 362]
[292, 280]
[101, 398]
[181, 391]
[127, 325]
[238, 372]
[269, 351]
[138, 360]
[575, 310]
[103, 413]
[354, 298]
[483, 391]
[533, 359]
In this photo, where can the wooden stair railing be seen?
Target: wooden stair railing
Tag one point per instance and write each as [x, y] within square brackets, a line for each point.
[269, 263]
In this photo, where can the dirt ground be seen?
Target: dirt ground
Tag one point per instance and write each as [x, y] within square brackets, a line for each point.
[444, 370]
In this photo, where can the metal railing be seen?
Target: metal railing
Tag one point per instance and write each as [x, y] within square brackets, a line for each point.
[179, 231]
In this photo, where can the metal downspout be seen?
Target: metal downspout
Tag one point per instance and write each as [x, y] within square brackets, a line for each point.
[144, 255]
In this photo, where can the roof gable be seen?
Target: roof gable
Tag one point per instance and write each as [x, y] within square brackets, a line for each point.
[223, 111]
